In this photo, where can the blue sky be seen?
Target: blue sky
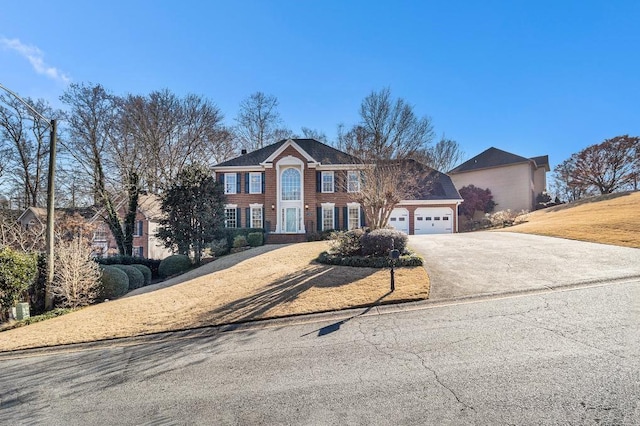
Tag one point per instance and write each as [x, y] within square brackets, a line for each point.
[529, 77]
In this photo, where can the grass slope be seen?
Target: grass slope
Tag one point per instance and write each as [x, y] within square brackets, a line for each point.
[609, 219]
[264, 282]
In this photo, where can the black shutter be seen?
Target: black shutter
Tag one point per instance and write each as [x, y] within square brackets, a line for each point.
[318, 181]
[263, 189]
[319, 214]
[345, 217]
[238, 217]
[362, 217]
[247, 217]
[238, 183]
[336, 218]
[221, 178]
[262, 225]
[246, 183]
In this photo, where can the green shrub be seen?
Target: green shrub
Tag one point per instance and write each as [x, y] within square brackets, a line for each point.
[146, 272]
[255, 239]
[321, 236]
[240, 241]
[152, 264]
[380, 241]
[136, 278]
[231, 233]
[17, 272]
[173, 265]
[37, 288]
[114, 283]
[346, 243]
[219, 247]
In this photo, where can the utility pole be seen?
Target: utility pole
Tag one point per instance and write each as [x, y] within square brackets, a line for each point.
[53, 126]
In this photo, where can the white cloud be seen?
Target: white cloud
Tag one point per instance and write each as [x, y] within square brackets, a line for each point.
[35, 57]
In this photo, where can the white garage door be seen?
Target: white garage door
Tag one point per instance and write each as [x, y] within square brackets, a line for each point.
[433, 220]
[399, 220]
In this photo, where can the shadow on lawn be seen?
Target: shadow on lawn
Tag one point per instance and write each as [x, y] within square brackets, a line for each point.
[284, 290]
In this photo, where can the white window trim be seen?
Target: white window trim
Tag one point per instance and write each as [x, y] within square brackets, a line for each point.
[349, 207]
[258, 207]
[357, 173]
[331, 207]
[333, 182]
[230, 207]
[259, 174]
[233, 189]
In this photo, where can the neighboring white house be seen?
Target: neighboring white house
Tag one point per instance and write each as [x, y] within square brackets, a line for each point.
[514, 181]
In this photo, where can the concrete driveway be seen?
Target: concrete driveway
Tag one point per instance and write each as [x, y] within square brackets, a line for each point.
[481, 263]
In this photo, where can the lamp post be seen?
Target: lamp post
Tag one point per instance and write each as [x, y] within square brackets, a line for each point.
[53, 126]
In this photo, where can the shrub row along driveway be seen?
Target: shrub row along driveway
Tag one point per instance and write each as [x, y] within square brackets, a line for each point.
[480, 263]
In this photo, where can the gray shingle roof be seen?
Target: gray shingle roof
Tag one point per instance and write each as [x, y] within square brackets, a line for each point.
[320, 152]
[494, 157]
[436, 185]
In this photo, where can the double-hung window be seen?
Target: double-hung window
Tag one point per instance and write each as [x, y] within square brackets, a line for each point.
[230, 183]
[354, 216]
[231, 220]
[353, 181]
[327, 217]
[327, 182]
[256, 216]
[255, 183]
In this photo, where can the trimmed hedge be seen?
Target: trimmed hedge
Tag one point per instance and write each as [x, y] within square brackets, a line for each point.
[240, 241]
[152, 264]
[255, 239]
[409, 259]
[231, 233]
[146, 272]
[136, 279]
[114, 283]
[175, 264]
[380, 241]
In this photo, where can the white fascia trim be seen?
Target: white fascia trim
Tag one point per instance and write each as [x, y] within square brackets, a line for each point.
[427, 202]
[331, 167]
[311, 162]
[353, 204]
[256, 206]
[328, 205]
[231, 169]
[230, 206]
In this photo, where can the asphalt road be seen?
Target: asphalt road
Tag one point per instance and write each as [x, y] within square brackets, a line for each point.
[556, 357]
[480, 263]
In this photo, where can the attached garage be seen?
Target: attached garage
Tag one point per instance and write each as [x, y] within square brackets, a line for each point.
[399, 219]
[433, 220]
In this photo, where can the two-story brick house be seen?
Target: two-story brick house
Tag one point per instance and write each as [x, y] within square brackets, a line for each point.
[298, 186]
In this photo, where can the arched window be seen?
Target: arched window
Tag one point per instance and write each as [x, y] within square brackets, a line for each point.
[290, 185]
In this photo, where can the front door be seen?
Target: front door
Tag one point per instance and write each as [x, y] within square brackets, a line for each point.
[291, 219]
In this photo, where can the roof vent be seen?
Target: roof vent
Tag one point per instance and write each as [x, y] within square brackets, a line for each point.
[243, 152]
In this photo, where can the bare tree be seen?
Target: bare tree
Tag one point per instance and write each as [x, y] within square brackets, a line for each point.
[389, 129]
[171, 132]
[315, 134]
[77, 275]
[608, 167]
[375, 187]
[28, 137]
[443, 156]
[258, 122]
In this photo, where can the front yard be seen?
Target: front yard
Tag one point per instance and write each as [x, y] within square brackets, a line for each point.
[264, 282]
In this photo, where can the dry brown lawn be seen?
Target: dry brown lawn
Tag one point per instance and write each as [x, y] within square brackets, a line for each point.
[612, 219]
[264, 282]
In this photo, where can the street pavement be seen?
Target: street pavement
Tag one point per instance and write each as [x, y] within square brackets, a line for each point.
[482, 263]
[563, 356]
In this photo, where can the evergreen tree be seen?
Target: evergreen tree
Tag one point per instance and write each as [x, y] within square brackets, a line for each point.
[194, 212]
